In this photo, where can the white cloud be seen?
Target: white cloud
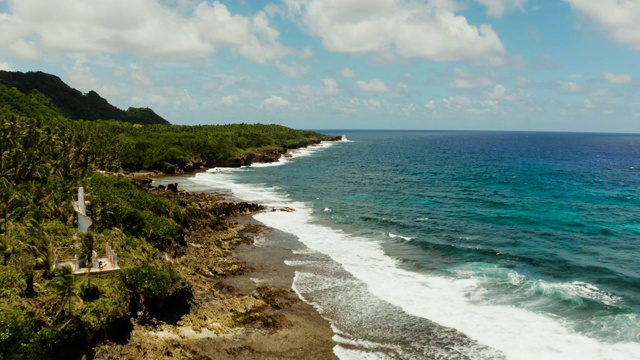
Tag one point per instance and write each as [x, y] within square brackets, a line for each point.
[229, 100]
[347, 73]
[276, 100]
[499, 92]
[374, 85]
[408, 110]
[465, 80]
[618, 17]
[455, 101]
[329, 87]
[569, 86]
[469, 83]
[305, 54]
[294, 69]
[497, 8]
[462, 100]
[6, 66]
[81, 77]
[523, 81]
[401, 89]
[390, 28]
[211, 85]
[371, 103]
[588, 104]
[142, 27]
[617, 78]
[118, 71]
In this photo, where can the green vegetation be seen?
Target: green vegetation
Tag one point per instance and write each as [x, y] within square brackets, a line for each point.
[44, 157]
[71, 103]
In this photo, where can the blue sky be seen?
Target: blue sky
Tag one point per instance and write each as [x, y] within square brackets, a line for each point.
[543, 65]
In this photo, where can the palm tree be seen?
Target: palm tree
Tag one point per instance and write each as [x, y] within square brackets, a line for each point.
[6, 247]
[64, 281]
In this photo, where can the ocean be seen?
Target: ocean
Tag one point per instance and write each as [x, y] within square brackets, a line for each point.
[461, 245]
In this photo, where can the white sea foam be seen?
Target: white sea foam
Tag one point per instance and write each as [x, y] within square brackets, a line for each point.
[519, 333]
[345, 353]
[394, 236]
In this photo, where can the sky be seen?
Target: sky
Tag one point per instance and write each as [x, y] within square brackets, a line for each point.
[535, 65]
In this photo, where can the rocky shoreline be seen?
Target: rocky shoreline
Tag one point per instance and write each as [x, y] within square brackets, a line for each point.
[247, 158]
[241, 304]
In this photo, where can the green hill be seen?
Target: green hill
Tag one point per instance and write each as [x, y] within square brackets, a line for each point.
[68, 101]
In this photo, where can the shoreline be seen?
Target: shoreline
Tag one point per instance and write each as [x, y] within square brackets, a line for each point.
[287, 328]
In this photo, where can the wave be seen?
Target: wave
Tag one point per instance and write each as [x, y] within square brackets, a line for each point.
[577, 293]
[394, 236]
[517, 332]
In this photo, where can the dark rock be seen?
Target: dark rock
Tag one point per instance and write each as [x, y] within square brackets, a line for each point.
[173, 187]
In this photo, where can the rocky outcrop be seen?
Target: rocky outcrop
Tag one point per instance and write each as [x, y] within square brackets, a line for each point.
[266, 155]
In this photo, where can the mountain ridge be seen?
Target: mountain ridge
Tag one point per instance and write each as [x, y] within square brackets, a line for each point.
[72, 103]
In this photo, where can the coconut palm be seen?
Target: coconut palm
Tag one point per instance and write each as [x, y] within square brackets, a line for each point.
[6, 247]
[64, 281]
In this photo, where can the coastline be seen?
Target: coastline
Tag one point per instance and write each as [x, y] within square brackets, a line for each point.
[247, 310]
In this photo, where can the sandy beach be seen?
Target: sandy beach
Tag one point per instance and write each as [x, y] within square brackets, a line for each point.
[242, 306]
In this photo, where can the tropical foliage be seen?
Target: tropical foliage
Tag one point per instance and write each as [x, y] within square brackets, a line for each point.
[44, 157]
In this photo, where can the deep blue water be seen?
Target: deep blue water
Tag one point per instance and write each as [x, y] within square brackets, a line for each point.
[543, 223]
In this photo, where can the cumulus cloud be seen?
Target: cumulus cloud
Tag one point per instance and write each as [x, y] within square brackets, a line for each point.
[276, 100]
[80, 76]
[617, 17]
[469, 83]
[329, 87]
[466, 80]
[374, 85]
[370, 103]
[6, 66]
[569, 86]
[588, 104]
[228, 100]
[500, 93]
[617, 78]
[497, 8]
[293, 69]
[305, 54]
[142, 27]
[459, 101]
[347, 73]
[397, 29]
[523, 81]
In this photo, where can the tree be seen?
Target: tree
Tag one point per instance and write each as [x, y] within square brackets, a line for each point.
[6, 247]
[64, 281]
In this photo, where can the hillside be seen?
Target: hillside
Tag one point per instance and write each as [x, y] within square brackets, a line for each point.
[164, 275]
[72, 103]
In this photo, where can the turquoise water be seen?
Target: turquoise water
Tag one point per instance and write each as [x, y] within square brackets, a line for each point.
[526, 243]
